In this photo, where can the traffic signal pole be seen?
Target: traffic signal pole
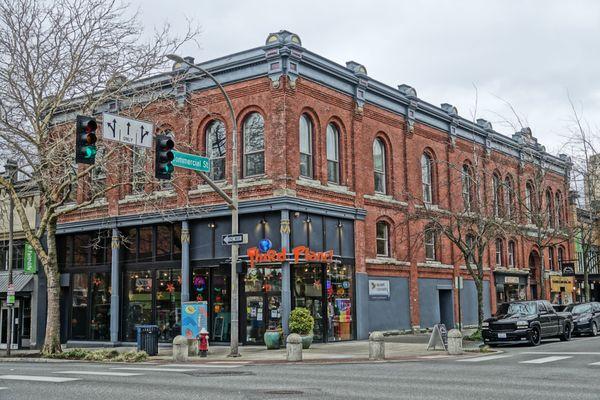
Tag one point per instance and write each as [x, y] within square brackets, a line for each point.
[232, 201]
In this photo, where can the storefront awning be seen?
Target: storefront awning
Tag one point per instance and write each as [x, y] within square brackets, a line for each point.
[23, 282]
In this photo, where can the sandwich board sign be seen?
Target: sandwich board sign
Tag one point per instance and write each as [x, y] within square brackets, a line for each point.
[439, 336]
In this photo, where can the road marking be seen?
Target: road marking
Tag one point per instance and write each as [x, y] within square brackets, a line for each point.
[596, 363]
[565, 353]
[102, 373]
[35, 378]
[158, 369]
[485, 358]
[3, 388]
[229, 362]
[545, 360]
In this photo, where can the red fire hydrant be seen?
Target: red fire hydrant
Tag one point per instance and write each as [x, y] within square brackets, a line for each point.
[203, 343]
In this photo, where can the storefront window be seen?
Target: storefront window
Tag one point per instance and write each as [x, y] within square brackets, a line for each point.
[308, 293]
[163, 243]
[263, 301]
[138, 289]
[168, 301]
[221, 305]
[79, 306]
[145, 243]
[100, 310]
[339, 301]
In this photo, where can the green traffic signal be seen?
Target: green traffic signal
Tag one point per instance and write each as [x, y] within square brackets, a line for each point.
[89, 152]
[85, 140]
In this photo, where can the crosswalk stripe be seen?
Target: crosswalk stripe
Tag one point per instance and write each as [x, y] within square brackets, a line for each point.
[545, 360]
[596, 363]
[35, 378]
[485, 358]
[157, 369]
[3, 388]
[200, 366]
[100, 373]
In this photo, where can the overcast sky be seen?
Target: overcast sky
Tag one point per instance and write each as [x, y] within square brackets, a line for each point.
[532, 54]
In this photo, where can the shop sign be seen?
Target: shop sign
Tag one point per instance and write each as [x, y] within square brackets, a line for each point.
[511, 280]
[299, 253]
[568, 268]
[379, 289]
[10, 294]
[194, 318]
[29, 260]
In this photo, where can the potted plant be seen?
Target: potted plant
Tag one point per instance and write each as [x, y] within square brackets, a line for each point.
[302, 323]
[272, 337]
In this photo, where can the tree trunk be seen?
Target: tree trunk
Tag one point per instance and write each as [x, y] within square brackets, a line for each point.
[586, 273]
[542, 292]
[52, 339]
[479, 287]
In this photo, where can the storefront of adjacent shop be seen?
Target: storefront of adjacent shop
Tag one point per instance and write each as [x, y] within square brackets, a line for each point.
[160, 265]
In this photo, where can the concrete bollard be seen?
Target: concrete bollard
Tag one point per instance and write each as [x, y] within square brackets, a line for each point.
[455, 342]
[376, 346]
[193, 347]
[180, 348]
[294, 347]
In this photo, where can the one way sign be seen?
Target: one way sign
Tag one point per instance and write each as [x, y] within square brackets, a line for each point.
[127, 130]
[238, 238]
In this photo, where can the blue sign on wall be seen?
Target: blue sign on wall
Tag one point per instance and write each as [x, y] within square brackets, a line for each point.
[194, 317]
[265, 245]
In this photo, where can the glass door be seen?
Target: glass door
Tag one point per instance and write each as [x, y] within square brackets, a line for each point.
[5, 325]
[220, 305]
[255, 318]
[168, 304]
[262, 296]
[308, 293]
[138, 300]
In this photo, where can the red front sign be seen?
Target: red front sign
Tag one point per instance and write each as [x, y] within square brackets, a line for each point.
[299, 252]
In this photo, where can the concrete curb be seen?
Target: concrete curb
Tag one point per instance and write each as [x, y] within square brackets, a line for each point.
[37, 360]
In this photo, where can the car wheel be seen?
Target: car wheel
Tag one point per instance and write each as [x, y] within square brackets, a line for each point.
[534, 337]
[594, 329]
[566, 336]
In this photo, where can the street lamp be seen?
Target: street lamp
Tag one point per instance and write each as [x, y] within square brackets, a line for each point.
[233, 352]
[10, 168]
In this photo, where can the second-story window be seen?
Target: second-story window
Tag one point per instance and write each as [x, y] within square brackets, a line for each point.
[511, 254]
[379, 166]
[550, 217]
[551, 258]
[333, 154]
[383, 239]
[499, 250]
[306, 148]
[559, 209]
[215, 149]
[509, 199]
[496, 195]
[427, 178]
[254, 145]
[467, 187]
[529, 201]
[430, 239]
[561, 256]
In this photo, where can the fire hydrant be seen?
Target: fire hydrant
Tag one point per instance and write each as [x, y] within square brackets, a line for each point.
[203, 343]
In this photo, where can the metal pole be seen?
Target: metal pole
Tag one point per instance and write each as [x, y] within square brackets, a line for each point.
[10, 168]
[233, 349]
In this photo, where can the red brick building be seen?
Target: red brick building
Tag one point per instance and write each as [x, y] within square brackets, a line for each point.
[330, 159]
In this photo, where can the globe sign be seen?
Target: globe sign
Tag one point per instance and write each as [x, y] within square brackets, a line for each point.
[265, 245]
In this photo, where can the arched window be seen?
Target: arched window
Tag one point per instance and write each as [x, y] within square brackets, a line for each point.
[333, 154]
[467, 187]
[430, 242]
[550, 217]
[215, 149]
[379, 166]
[499, 251]
[427, 178]
[470, 242]
[254, 145]
[559, 210]
[529, 202]
[306, 146]
[509, 199]
[383, 239]
[551, 258]
[511, 254]
[561, 256]
[496, 195]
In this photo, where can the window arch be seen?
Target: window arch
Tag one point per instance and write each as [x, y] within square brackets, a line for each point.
[379, 166]
[511, 254]
[499, 252]
[558, 205]
[509, 197]
[430, 243]
[383, 239]
[467, 187]
[550, 216]
[254, 145]
[529, 202]
[427, 177]
[496, 195]
[306, 146]
[216, 144]
[333, 153]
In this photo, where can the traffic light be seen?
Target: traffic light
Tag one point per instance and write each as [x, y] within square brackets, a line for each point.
[163, 168]
[85, 140]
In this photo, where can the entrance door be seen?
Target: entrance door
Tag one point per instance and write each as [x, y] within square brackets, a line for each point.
[308, 293]
[261, 305]
[5, 325]
[446, 308]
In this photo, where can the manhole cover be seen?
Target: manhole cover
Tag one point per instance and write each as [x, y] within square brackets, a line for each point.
[220, 373]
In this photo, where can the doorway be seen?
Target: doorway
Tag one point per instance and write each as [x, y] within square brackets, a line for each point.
[261, 303]
[13, 325]
[446, 308]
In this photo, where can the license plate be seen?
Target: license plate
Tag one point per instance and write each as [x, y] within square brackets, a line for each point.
[502, 336]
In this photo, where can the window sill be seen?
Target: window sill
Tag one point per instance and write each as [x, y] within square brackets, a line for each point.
[434, 264]
[134, 198]
[384, 198]
[386, 260]
[475, 267]
[331, 187]
[224, 185]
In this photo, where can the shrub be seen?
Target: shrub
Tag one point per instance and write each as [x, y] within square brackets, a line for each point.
[301, 322]
[107, 355]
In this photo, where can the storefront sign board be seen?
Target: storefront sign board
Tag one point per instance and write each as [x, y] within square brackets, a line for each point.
[29, 260]
[379, 289]
[299, 253]
[511, 280]
[194, 317]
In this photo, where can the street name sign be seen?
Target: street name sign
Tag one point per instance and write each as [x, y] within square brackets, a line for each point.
[127, 130]
[238, 238]
[191, 161]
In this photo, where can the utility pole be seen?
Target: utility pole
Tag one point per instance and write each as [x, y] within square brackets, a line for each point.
[11, 169]
[233, 202]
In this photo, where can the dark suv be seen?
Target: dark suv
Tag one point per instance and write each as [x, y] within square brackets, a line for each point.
[586, 317]
[526, 321]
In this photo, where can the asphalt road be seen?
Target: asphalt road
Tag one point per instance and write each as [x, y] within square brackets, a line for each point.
[551, 371]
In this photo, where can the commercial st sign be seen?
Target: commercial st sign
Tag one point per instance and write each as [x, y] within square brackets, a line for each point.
[191, 161]
[299, 253]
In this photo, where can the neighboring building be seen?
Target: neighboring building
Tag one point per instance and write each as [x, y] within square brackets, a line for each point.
[29, 309]
[329, 159]
[587, 246]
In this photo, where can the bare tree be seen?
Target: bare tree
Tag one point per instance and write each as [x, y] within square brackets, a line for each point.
[57, 59]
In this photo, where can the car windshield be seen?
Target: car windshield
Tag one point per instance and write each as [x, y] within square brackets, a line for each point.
[517, 308]
[579, 308]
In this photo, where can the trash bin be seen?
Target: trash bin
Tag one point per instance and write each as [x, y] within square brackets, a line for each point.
[147, 339]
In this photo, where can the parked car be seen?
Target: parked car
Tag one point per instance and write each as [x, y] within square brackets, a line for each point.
[586, 318]
[527, 321]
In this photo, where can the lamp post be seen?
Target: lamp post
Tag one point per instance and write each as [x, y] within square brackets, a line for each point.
[10, 168]
[233, 349]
